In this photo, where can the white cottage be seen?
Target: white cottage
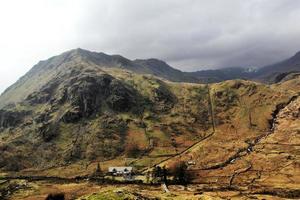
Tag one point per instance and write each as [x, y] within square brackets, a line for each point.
[126, 172]
[120, 170]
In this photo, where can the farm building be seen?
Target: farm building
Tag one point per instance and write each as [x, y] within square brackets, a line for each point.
[120, 170]
[126, 172]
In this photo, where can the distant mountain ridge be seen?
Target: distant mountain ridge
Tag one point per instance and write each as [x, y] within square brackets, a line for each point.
[162, 69]
[218, 75]
[271, 73]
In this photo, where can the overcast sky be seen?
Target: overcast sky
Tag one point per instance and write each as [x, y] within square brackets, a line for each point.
[188, 34]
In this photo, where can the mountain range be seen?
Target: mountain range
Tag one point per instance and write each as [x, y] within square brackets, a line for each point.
[270, 74]
[239, 127]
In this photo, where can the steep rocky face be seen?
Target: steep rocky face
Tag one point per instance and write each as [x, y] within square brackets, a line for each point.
[163, 99]
[11, 118]
[87, 94]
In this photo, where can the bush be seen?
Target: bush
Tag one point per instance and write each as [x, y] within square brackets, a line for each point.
[59, 196]
[180, 173]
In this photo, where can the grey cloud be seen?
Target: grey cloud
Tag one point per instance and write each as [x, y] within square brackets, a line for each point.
[194, 34]
[188, 34]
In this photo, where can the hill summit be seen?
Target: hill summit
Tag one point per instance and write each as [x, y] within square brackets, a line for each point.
[60, 65]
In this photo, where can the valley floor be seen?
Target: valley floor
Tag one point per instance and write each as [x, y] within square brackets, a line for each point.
[39, 190]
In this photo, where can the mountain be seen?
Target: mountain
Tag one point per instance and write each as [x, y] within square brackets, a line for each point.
[78, 109]
[218, 75]
[68, 105]
[46, 70]
[277, 71]
[161, 69]
[269, 74]
[150, 66]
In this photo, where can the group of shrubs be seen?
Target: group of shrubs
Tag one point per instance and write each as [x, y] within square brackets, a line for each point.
[175, 174]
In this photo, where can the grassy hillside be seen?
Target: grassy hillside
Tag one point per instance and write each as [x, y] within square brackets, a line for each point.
[86, 114]
[72, 115]
[91, 116]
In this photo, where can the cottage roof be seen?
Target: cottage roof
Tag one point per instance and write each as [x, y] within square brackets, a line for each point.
[120, 169]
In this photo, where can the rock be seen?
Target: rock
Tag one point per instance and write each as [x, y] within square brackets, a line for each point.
[163, 99]
[11, 118]
[88, 94]
[48, 131]
[72, 116]
[45, 94]
[121, 98]
[42, 117]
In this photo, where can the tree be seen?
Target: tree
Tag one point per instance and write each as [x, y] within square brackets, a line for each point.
[156, 174]
[164, 174]
[181, 174]
[98, 172]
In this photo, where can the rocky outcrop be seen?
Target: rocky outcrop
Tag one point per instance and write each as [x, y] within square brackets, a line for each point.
[163, 99]
[88, 94]
[48, 131]
[85, 94]
[45, 94]
[11, 118]
[121, 98]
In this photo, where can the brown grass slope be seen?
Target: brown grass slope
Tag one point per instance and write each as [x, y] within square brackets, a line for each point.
[247, 152]
[82, 113]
